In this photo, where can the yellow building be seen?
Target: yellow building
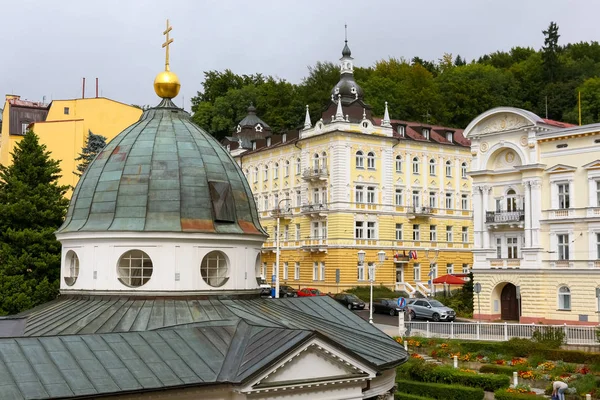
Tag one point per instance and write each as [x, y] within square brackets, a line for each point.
[352, 182]
[537, 243]
[63, 126]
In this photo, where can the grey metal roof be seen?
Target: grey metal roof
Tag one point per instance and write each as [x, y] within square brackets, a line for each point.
[137, 344]
[164, 174]
[251, 119]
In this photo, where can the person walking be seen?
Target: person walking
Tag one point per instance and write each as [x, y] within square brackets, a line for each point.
[558, 390]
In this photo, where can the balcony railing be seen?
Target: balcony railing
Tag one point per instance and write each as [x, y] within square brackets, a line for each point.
[504, 217]
[315, 244]
[284, 213]
[505, 262]
[315, 173]
[314, 208]
[419, 211]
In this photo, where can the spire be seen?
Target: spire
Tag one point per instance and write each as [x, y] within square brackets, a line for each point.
[307, 123]
[386, 118]
[339, 114]
[346, 50]
[166, 83]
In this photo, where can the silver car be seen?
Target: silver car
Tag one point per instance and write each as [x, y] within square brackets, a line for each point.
[430, 309]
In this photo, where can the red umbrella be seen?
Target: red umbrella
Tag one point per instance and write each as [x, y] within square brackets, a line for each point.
[449, 280]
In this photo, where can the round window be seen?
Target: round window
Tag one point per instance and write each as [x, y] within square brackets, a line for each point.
[215, 268]
[134, 268]
[71, 268]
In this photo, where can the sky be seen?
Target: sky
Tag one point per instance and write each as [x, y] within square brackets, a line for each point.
[49, 46]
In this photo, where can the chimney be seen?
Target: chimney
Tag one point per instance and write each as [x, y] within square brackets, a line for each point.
[96, 87]
[83, 89]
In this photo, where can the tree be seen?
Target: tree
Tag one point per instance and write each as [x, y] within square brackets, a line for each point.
[93, 146]
[458, 61]
[32, 208]
[550, 52]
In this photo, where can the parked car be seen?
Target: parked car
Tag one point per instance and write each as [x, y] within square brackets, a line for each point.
[350, 301]
[265, 288]
[309, 292]
[386, 306]
[287, 291]
[430, 309]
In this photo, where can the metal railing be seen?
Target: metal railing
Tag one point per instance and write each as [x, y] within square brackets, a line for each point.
[420, 210]
[504, 216]
[315, 173]
[313, 208]
[492, 331]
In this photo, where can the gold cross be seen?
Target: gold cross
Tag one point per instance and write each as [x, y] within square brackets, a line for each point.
[166, 44]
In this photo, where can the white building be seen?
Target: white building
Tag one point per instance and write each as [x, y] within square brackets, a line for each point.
[536, 201]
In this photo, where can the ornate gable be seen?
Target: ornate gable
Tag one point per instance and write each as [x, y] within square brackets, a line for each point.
[558, 168]
[592, 165]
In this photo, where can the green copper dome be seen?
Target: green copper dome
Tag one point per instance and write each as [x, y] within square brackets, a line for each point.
[163, 174]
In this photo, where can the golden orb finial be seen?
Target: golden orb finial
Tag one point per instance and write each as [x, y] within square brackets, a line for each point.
[166, 83]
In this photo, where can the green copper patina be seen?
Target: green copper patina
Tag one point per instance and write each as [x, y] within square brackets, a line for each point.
[163, 174]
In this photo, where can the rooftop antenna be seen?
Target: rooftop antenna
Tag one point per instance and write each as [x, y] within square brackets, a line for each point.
[346, 33]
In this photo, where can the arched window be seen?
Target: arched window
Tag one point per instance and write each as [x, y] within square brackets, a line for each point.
[449, 168]
[415, 165]
[511, 200]
[215, 268]
[564, 298]
[324, 160]
[360, 159]
[71, 268]
[255, 175]
[398, 163]
[134, 268]
[463, 170]
[276, 171]
[316, 162]
[432, 167]
[286, 168]
[266, 173]
[371, 160]
[298, 166]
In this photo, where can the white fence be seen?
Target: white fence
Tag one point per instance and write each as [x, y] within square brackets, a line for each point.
[574, 334]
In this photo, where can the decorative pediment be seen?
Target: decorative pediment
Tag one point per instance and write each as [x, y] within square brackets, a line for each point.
[314, 363]
[501, 123]
[560, 168]
[592, 165]
[399, 181]
[417, 182]
[371, 178]
[449, 184]
[433, 183]
[360, 178]
[465, 186]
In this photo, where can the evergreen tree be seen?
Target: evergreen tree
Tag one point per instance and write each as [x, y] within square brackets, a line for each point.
[93, 146]
[32, 207]
[550, 52]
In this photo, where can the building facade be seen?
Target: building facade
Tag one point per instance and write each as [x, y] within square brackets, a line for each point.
[353, 182]
[63, 127]
[537, 244]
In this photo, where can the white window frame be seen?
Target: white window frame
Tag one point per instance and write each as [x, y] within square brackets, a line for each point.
[464, 202]
[564, 293]
[417, 272]
[563, 244]
[324, 160]
[266, 203]
[298, 166]
[512, 247]
[597, 245]
[433, 270]
[316, 163]
[399, 164]
[265, 173]
[276, 171]
[432, 165]
[296, 271]
[448, 201]
[416, 232]
[465, 268]
[285, 270]
[416, 198]
[449, 268]
[256, 175]
[449, 236]
[370, 194]
[463, 170]
[359, 194]
[371, 230]
[433, 233]
[416, 165]
[298, 198]
[426, 133]
[465, 234]
[359, 230]
[398, 231]
[297, 231]
[564, 195]
[322, 271]
[399, 198]
[286, 233]
[315, 270]
[286, 168]
[360, 160]
[499, 247]
[448, 169]
[371, 160]
[361, 272]
[433, 199]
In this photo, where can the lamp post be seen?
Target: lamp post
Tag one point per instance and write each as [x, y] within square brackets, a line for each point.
[371, 271]
[437, 253]
[277, 248]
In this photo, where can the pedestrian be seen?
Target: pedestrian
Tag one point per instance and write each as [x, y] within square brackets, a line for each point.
[558, 390]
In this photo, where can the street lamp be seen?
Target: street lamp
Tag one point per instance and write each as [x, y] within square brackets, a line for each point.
[277, 248]
[381, 259]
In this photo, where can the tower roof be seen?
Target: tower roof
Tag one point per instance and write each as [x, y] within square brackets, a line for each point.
[163, 174]
[347, 88]
[251, 120]
[346, 50]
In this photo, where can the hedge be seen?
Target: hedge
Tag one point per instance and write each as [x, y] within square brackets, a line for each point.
[504, 395]
[425, 372]
[406, 396]
[439, 391]
[498, 369]
[570, 356]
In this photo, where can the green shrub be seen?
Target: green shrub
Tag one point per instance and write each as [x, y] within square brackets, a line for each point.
[474, 347]
[586, 384]
[549, 337]
[439, 391]
[498, 369]
[502, 394]
[570, 356]
[406, 396]
[426, 372]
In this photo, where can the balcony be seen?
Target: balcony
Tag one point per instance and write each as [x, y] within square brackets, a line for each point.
[315, 174]
[315, 245]
[511, 218]
[284, 213]
[505, 262]
[314, 210]
[419, 212]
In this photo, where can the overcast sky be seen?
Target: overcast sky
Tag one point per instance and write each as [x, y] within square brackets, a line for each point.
[48, 46]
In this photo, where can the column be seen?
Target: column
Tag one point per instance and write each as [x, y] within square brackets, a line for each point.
[527, 210]
[477, 217]
[486, 200]
[536, 211]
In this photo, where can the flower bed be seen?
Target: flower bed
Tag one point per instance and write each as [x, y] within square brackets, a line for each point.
[439, 391]
[514, 394]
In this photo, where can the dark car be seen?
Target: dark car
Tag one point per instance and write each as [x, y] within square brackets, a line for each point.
[386, 306]
[350, 301]
[287, 291]
[309, 292]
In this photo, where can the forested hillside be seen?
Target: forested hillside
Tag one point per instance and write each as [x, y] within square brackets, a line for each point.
[449, 91]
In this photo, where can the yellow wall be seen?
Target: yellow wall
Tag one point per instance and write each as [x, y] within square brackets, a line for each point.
[64, 134]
